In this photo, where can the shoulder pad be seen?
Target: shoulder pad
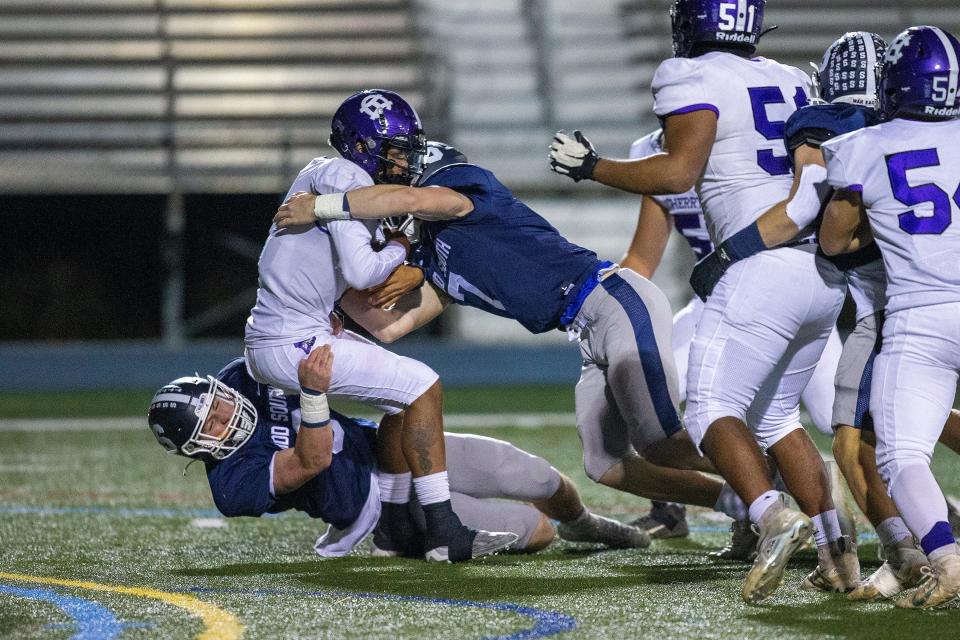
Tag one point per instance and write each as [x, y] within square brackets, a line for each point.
[234, 371]
[460, 175]
[815, 124]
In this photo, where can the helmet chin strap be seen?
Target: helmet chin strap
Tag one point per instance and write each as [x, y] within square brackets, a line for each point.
[192, 460]
[768, 30]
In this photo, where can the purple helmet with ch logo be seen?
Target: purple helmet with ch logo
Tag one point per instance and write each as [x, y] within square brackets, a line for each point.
[370, 122]
[732, 24]
[919, 77]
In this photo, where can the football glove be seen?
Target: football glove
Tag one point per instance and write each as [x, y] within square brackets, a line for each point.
[573, 157]
[707, 273]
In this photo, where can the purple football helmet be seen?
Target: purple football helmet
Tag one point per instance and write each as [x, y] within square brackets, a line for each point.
[919, 77]
[734, 24]
[371, 122]
[850, 68]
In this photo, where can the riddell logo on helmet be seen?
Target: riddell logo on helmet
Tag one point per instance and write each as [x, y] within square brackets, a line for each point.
[736, 37]
[941, 111]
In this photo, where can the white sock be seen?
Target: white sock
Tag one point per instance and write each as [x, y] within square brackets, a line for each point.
[432, 488]
[826, 527]
[730, 503]
[892, 530]
[918, 498]
[759, 506]
[394, 487]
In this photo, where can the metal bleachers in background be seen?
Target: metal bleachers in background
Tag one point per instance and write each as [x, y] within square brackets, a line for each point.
[108, 96]
[525, 68]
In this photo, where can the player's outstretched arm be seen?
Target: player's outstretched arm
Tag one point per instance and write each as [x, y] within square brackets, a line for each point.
[649, 238]
[844, 228]
[409, 314]
[688, 140]
[313, 451]
[371, 203]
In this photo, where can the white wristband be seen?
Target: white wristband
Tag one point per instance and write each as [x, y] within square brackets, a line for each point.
[329, 206]
[806, 203]
[314, 410]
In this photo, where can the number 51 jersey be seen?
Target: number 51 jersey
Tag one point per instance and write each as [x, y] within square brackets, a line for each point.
[748, 170]
[909, 175]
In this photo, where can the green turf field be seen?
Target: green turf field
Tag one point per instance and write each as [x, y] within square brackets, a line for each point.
[99, 539]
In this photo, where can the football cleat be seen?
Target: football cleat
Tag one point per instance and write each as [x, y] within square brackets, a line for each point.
[600, 530]
[664, 520]
[838, 568]
[894, 576]
[781, 533]
[940, 584]
[743, 543]
[468, 544]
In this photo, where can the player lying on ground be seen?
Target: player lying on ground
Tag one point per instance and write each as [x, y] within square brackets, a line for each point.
[303, 272]
[266, 453]
[896, 182]
[484, 248]
[764, 329]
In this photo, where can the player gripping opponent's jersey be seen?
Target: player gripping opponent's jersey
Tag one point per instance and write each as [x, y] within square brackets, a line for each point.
[902, 174]
[646, 250]
[764, 328]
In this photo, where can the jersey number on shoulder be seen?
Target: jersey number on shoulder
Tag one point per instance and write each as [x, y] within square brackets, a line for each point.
[897, 166]
[760, 97]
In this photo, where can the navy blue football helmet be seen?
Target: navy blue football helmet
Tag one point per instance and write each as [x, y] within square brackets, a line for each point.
[179, 409]
[850, 69]
[734, 24]
[919, 77]
[368, 124]
[440, 155]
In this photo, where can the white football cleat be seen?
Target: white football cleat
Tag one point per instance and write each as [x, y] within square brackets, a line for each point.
[941, 583]
[781, 534]
[838, 568]
[896, 574]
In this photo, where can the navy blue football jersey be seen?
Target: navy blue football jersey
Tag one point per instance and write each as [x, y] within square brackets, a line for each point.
[502, 257]
[817, 123]
[241, 483]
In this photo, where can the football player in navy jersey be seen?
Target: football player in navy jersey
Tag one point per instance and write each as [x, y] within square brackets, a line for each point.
[483, 247]
[266, 453]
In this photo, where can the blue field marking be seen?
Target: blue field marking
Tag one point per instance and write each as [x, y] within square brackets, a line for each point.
[113, 511]
[546, 623]
[90, 620]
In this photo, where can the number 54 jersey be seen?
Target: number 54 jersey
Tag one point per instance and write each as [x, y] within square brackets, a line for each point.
[748, 170]
[909, 175]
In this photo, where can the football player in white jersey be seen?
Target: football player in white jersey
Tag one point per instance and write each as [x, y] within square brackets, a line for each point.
[658, 214]
[901, 177]
[304, 271]
[764, 328]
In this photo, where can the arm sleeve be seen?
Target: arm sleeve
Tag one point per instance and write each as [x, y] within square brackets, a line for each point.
[678, 88]
[475, 183]
[362, 267]
[838, 175]
[241, 484]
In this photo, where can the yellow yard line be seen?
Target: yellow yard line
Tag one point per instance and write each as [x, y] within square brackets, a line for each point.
[217, 623]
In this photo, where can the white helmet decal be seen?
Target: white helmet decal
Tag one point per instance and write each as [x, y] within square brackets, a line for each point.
[374, 105]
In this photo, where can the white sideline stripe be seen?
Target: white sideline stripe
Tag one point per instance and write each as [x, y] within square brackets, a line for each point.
[134, 423]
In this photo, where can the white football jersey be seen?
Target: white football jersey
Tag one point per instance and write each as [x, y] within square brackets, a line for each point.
[908, 173]
[747, 171]
[304, 270]
[684, 208]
